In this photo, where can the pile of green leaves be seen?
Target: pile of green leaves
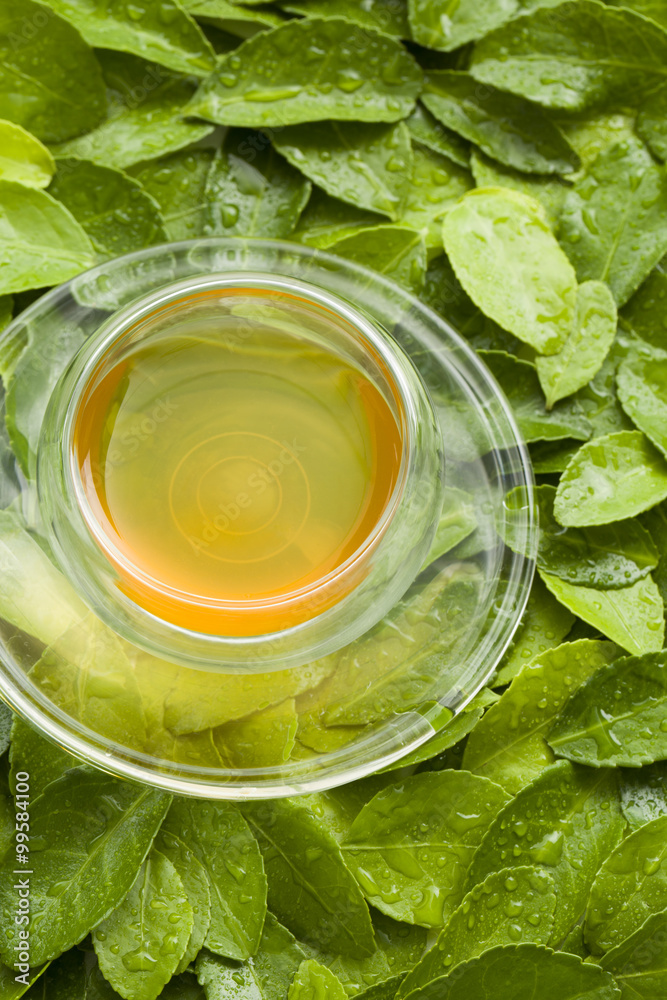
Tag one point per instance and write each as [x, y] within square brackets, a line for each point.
[505, 161]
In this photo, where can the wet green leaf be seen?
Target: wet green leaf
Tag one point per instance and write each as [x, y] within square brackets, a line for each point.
[507, 128]
[584, 351]
[511, 905]
[53, 97]
[23, 158]
[509, 262]
[509, 745]
[177, 183]
[41, 243]
[630, 887]
[266, 976]
[544, 624]
[619, 717]
[279, 78]
[395, 251]
[438, 24]
[197, 889]
[365, 165]
[139, 946]
[639, 964]
[389, 16]
[642, 390]
[112, 208]
[457, 520]
[427, 130]
[326, 220]
[236, 19]
[633, 617]
[411, 845]
[310, 887]
[567, 820]
[315, 982]
[146, 107]
[611, 478]
[606, 556]
[651, 122]
[40, 758]
[436, 184]
[527, 971]
[518, 379]
[645, 313]
[256, 194]
[614, 221]
[265, 739]
[220, 839]
[94, 832]
[644, 794]
[548, 191]
[585, 55]
[164, 34]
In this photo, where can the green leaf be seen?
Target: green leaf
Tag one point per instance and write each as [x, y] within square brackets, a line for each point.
[41, 243]
[411, 845]
[509, 745]
[315, 982]
[139, 946]
[607, 556]
[584, 351]
[642, 389]
[89, 833]
[365, 165]
[611, 478]
[651, 122]
[112, 208]
[231, 17]
[436, 184]
[326, 220]
[389, 16]
[633, 617]
[482, 922]
[164, 34]
[507, 128]
[196, 884]
[52, 97]
[427, 130]
[551, 456]
[509, 262]
[145, 119]
[12, 989]
[396, 251]
[311, 889]
[266, 976]
[614, 221]
[548, 191]
[639, 964]
[23, 158]
[438, 24]
[527, 971]
[279, 78]
[220, 839]
[43, 760]
[586, 54]
[253, 195]
[630, 887]
[457, 520]
[399, 947]
[178, 183]
[644, 313]
[567, 820]
[518, 378]
[544, 624]
[644, 794]
[618, 718]
[265, 739]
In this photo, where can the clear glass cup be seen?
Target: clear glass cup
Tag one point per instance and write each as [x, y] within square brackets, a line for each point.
[403, 640]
